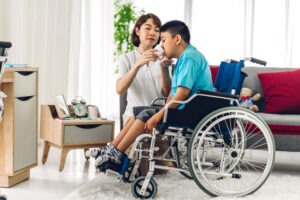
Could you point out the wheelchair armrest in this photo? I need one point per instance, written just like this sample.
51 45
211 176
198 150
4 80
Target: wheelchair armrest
204 93
218 94
172 102
205 96
164 124
159 101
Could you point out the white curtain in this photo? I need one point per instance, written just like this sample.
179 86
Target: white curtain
70 41
218 28
266 29
91 70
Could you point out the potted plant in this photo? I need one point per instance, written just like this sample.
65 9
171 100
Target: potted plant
124 18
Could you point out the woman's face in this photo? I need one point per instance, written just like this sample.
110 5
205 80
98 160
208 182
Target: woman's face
148 33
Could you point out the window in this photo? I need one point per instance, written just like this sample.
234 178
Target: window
166 10
294 33
269 32
217 29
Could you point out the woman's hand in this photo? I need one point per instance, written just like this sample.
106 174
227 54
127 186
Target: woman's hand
147 56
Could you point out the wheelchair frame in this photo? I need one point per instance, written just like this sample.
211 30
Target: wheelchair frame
219 151
144 187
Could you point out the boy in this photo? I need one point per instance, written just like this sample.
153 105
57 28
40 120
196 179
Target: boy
191 73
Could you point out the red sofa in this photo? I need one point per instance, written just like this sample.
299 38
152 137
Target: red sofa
280 102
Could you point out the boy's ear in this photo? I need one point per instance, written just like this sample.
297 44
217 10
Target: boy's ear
178 39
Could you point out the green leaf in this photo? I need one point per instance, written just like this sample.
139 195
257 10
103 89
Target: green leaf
125 15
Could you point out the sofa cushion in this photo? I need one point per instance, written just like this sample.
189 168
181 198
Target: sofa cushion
214 71
281 119
252 81
281 91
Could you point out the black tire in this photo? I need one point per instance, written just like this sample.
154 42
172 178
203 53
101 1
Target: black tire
3 197
151 189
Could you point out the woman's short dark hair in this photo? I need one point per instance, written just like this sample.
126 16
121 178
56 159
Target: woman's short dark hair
141 20
177 27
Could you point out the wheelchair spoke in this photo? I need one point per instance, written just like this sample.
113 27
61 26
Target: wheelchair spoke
250 164
225 153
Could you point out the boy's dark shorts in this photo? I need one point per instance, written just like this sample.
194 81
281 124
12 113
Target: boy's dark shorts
144 113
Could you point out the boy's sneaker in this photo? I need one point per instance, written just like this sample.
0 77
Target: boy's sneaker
114 157
94 153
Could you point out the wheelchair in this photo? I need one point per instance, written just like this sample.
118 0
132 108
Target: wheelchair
3 58
227 150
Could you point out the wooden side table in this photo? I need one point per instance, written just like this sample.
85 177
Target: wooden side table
72 134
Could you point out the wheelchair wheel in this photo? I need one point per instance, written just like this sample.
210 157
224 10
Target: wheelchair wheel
128 173
231 152
2 197
136 187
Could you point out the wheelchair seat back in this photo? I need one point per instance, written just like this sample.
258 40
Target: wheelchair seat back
230 77
228 83
201 104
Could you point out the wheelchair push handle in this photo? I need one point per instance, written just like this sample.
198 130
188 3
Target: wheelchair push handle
257 61
5 44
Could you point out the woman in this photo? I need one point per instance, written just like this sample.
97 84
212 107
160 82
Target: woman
141 74
191 73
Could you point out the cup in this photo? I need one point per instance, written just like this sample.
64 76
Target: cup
93 111
160 51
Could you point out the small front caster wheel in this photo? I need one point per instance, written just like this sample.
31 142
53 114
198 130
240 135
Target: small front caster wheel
128 173
2 197
136 187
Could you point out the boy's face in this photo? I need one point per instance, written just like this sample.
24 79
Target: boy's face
168 43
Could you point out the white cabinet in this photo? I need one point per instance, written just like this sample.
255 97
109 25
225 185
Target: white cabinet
25 83
24 138
18 129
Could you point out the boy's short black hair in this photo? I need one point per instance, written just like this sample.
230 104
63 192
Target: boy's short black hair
177 27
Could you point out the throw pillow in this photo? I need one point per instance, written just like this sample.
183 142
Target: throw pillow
281 91
214 71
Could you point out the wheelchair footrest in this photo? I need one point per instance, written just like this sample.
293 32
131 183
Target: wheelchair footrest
110 166
118 168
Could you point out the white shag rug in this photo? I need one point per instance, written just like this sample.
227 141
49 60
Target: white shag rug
176 187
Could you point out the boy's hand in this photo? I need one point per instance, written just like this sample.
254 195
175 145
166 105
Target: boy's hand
166 62
152 123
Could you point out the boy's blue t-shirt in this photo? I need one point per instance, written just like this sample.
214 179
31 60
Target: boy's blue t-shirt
192 71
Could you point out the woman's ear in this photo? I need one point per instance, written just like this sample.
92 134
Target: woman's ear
137 31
